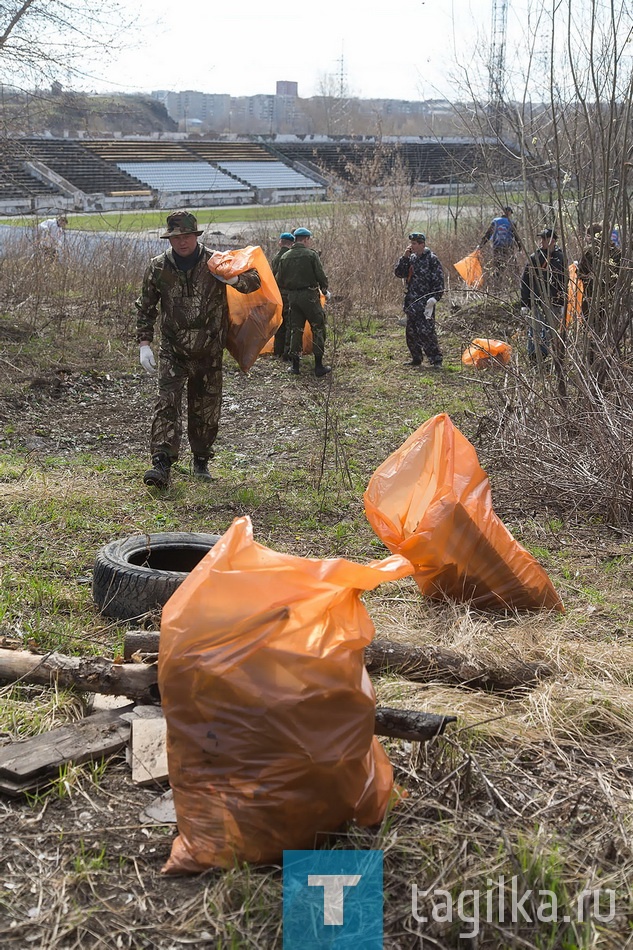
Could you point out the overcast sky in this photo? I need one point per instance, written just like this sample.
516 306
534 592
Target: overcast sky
387 50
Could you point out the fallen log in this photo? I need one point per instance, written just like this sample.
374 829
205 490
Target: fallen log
409 724
138 681
421 664
93 674
427 663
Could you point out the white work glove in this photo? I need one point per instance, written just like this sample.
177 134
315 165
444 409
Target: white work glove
147 358
327 294
428 310
226 280
525 311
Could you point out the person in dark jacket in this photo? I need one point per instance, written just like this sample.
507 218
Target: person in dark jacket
544 294
598 269
504 237
281 346
424 277
194 324
300 274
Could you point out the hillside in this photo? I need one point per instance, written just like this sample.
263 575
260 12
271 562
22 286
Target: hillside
69 113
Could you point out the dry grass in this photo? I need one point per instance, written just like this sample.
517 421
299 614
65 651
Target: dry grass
536 783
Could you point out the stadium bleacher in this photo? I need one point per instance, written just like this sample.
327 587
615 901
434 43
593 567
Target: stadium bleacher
432 162
17 184
77 165
182 176
269 174
219 152
141 172
131 150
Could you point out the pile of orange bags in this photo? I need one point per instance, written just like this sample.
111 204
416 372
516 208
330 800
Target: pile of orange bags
430 502
254 317
484 352
269 708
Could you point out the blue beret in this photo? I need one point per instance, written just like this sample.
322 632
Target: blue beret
302 232
287 236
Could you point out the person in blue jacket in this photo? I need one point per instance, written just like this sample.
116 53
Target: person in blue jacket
503 235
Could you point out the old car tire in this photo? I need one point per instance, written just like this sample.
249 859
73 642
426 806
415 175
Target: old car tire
133 576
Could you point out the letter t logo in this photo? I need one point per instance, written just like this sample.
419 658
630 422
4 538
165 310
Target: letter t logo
333 885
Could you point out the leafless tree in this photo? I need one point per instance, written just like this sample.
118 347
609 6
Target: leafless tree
44 40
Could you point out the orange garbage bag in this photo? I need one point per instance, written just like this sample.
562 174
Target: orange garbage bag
253 318
306 343
430 501
470 269
484 352
269 708
575 293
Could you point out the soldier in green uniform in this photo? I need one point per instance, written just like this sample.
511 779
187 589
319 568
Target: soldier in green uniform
194 324
282 336
301 275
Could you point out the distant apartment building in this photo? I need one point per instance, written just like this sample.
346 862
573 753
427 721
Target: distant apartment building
190 108
285 113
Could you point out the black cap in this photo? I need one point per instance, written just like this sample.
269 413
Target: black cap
508 210
548 233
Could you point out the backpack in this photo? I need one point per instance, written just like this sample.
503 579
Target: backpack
502 234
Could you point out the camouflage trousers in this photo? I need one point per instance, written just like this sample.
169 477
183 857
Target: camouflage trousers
422 338
203 379
282 336
306 305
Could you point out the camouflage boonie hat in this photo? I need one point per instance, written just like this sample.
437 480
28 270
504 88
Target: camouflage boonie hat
181 222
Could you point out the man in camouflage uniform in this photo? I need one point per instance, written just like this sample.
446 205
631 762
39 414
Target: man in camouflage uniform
423 273
282 336
300 274
194 324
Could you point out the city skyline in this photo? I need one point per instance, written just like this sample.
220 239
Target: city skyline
367 53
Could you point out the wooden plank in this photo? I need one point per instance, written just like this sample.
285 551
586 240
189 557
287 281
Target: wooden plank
78 742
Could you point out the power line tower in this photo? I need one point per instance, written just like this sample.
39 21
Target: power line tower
496 87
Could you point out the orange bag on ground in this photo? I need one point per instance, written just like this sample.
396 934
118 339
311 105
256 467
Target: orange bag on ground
470 269
270 710
430 501
255 317
483 352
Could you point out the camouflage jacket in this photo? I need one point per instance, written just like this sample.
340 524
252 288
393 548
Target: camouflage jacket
274 264
193 304
544 280
300 267
425 278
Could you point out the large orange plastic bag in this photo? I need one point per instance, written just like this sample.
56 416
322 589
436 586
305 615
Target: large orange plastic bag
430 501
255 317
470 269
575 293
269 708
306 343
484 352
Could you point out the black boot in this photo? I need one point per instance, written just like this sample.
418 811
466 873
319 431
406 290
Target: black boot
200 469
294 366
319 368
158 474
